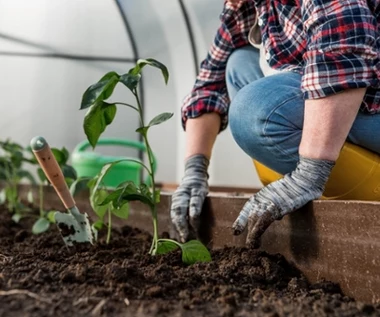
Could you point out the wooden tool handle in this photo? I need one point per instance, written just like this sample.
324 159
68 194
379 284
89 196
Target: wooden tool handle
49 165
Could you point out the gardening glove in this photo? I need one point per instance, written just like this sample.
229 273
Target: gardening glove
187 200
281 197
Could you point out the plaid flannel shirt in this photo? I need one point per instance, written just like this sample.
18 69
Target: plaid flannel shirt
333 44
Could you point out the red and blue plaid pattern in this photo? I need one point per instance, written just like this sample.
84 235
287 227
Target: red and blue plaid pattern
334 44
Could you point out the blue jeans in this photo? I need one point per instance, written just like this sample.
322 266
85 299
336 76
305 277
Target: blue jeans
266 113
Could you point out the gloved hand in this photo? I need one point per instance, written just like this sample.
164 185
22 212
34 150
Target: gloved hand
294 190
187 200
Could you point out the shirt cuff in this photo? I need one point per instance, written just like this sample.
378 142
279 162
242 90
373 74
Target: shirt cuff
200 106
328 73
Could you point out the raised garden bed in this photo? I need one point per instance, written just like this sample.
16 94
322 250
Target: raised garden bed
39 276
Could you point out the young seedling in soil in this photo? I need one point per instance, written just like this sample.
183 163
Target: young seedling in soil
12 172
99 116
98 200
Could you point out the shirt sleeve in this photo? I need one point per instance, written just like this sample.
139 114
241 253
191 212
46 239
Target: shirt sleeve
342 49
209 93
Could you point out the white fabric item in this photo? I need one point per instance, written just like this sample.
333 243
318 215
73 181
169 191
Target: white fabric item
254 38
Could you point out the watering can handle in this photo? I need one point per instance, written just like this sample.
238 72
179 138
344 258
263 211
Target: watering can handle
113 141
53 172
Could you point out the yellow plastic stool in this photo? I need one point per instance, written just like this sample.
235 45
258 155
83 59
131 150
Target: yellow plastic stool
355 176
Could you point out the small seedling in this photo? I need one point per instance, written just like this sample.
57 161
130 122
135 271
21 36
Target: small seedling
12 172
100 114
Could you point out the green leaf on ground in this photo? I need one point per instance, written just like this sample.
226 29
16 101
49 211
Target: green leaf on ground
51 216
165 247
41 225
194 251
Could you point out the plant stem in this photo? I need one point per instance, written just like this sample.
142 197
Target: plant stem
170 240
151 174
41 194
127 105
109 226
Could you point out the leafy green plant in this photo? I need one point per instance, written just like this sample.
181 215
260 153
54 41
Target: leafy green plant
103 207
12 172
100 114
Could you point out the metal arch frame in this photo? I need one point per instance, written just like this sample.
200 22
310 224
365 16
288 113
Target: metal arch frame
191 35
106 58
136 52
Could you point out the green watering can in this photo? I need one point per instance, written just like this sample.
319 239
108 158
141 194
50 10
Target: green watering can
90 163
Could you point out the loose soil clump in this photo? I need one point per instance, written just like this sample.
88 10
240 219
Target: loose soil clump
40 276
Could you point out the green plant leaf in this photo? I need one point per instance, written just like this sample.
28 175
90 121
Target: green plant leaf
160 118
51 216
130 80
141 63
69 181
69 172
142 130
122 211
96 120
96 182
100 91
79 185
113 197
194 251
165 246
59 156
128 191
16 218
98 225
137 197
41 175
26 174
66 154
3 175
3 196
96 200
41 225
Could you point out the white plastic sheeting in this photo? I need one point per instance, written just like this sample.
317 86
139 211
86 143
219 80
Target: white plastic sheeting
41 94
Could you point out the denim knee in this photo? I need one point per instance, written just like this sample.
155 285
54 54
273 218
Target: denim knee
267 125
243 67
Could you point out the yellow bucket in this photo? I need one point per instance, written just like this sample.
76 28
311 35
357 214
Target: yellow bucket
355 176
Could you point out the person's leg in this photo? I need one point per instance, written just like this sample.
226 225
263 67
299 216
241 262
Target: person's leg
364 131
266 120
243 68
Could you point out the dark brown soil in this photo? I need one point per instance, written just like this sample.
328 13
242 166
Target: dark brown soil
120 279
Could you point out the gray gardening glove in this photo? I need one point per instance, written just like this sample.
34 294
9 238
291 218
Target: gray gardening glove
294 190
187 200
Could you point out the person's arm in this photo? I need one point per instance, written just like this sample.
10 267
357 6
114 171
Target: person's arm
339 66
209 94
204 115
327 123
201 133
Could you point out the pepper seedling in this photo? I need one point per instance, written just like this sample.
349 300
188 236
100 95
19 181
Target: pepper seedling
100 114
